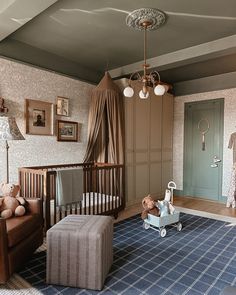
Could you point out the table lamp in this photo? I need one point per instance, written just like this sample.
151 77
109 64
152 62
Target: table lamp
9 131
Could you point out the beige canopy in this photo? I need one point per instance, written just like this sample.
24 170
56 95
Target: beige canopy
106 124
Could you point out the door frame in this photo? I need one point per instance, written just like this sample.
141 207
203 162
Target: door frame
221 131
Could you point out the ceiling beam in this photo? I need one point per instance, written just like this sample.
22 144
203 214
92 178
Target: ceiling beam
25 53
16 13
206 84
202 52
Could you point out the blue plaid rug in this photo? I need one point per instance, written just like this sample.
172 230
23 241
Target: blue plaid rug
201 259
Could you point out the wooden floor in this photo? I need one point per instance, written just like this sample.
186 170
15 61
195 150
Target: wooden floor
204 205
186 202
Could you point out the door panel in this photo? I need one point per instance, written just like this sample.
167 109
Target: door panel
200 179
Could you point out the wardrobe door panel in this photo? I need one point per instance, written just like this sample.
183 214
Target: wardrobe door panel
129 150
167 121
130 185
155 155
141 181
141 124
155 179
155 145
141 157
167 142
129 124
155 122
166 174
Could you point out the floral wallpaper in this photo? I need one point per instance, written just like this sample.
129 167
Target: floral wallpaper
18 82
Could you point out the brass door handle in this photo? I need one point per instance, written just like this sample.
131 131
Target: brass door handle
216 159
214 165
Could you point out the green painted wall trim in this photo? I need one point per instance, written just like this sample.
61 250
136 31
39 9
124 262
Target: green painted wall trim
212 83
36 57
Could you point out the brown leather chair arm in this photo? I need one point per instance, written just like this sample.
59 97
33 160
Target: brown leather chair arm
4 267
34 206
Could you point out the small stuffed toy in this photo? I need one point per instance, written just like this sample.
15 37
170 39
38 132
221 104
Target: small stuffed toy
168 195
150 207
168 199
10 204
164 208
171 208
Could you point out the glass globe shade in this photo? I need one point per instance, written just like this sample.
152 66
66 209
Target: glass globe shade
159 89
128 91
142 96
166 87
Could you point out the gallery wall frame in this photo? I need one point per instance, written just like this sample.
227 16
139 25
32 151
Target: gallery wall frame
39 117
62 106
67 131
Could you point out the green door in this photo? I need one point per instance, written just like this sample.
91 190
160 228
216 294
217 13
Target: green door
203 145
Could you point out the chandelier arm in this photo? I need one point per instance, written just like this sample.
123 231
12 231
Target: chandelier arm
153 79
133 74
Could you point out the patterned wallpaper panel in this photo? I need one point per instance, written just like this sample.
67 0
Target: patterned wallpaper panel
229 96
18 82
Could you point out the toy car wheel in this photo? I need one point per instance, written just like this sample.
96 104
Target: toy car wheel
162 232
179 226
146 225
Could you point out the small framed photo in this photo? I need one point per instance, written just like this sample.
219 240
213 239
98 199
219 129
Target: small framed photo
67 131
62 106
39 117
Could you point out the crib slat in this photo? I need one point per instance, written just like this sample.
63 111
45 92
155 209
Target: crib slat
109 188
97 190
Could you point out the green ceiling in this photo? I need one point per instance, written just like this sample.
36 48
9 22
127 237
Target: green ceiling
83 38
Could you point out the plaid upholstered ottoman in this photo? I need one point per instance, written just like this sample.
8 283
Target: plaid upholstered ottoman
79 251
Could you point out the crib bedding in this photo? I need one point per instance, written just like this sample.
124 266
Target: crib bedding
92 203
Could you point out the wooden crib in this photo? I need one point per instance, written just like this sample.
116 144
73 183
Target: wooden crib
103 187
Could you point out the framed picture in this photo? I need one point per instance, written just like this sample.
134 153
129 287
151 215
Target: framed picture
67 131
62 106
39 117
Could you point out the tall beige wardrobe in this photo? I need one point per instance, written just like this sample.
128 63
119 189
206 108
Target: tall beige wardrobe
148 144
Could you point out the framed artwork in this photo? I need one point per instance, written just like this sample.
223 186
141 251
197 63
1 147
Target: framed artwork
62 106
67 131
39 116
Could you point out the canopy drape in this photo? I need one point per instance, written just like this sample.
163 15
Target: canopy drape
106 124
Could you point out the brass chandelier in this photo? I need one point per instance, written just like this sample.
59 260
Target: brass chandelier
145 19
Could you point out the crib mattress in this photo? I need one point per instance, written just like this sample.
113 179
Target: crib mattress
92 203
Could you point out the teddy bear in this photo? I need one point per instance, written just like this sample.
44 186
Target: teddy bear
10 204
149 206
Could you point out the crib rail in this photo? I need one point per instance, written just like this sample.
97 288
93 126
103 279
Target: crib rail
103 187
